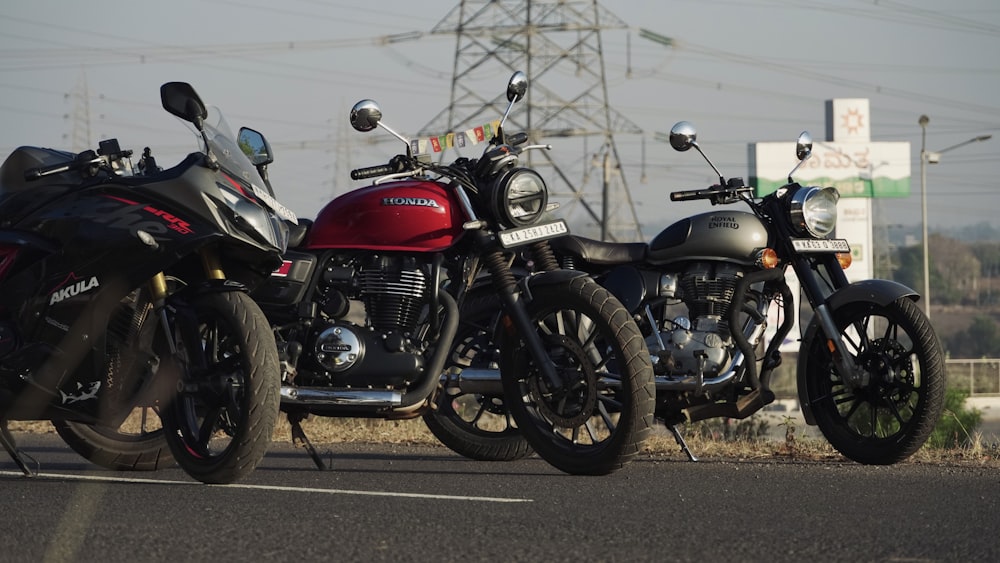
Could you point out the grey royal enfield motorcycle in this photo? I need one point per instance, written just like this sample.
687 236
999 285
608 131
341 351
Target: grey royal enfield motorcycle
870 368
124 309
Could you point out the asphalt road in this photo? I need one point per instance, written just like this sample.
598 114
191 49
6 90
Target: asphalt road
401 503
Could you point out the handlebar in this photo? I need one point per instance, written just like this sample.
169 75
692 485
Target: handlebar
108 153
718 194
371 172
36 173
82 160
691 194
517 139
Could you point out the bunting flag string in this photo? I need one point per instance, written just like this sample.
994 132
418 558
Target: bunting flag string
467 138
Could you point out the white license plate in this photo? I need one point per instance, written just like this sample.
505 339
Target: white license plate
515 237
820 245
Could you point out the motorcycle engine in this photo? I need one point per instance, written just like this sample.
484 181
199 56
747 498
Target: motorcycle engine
703 335
366 337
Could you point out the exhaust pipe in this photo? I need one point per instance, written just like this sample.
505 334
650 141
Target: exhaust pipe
340 397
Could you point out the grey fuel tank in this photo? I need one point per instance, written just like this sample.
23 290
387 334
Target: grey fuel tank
727 235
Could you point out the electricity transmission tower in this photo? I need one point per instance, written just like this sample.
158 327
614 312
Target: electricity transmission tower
79 116
558 44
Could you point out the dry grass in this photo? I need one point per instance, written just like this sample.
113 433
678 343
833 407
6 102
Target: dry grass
705 445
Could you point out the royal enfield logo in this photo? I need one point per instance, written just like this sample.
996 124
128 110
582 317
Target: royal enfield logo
410 201
723 222
63 291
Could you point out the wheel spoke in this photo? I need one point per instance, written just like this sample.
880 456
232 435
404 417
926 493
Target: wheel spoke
604 400
207 428
479 413
606 417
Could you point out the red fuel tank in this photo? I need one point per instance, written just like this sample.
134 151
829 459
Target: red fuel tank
414 215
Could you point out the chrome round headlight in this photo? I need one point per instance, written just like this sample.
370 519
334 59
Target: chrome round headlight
520 197
814 211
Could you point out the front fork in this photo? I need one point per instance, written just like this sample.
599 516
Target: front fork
854 378
158 290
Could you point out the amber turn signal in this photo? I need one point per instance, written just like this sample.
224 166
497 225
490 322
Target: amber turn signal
845 260
767 258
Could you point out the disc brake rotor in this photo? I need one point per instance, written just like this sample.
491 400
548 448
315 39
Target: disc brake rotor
892 373
574 401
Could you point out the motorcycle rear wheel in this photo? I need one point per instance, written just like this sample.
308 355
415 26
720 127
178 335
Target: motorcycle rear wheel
477 426
891 417
137 445
136 442
595 421
219 425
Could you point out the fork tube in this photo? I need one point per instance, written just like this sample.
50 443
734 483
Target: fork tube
158 293
210 261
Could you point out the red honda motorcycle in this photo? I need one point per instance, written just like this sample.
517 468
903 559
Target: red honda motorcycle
365 309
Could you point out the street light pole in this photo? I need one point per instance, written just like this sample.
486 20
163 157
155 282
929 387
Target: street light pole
923 212
926 158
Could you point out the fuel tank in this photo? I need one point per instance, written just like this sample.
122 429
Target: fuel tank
717 235
408 215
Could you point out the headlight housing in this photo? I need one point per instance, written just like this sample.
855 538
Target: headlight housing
814 211
257 221
519 197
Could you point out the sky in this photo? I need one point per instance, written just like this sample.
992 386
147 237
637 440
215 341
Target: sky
743 71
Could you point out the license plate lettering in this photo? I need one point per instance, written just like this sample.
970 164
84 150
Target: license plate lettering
820 245
515 237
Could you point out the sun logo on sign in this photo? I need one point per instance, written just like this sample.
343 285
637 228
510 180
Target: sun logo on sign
853 121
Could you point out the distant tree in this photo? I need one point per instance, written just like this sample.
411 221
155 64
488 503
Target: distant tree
980 339
954 271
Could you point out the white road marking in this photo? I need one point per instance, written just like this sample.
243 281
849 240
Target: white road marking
267 487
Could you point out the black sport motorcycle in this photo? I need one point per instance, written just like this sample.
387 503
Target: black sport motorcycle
124 307
870 368
365 308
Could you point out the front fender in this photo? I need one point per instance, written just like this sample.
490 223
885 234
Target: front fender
191 292
552 277
879 292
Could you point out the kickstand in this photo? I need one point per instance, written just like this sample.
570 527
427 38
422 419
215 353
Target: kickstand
299 438
19 457
681 442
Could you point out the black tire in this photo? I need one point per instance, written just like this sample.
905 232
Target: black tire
891 417
219 425
599 417
137 445
477 426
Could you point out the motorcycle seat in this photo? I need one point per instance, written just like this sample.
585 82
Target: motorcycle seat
600 252
18 196
297 233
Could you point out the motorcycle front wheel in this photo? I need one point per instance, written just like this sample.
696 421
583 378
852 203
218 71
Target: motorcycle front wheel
887 419
472 424
219 424
595 418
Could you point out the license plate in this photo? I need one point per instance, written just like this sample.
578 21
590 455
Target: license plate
820 245
515 237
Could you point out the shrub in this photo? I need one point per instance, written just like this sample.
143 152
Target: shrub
958 423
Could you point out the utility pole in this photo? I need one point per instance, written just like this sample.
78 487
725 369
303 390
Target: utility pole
557 43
